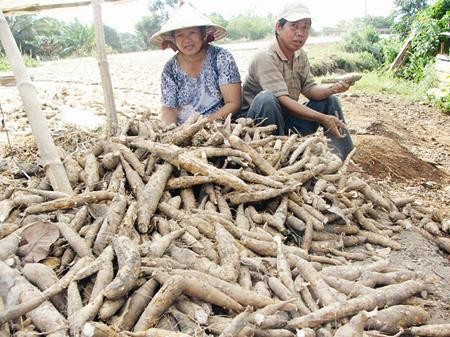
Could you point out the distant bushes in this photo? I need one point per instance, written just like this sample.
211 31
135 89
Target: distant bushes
343 62
250 27
4 63
425 29
363 40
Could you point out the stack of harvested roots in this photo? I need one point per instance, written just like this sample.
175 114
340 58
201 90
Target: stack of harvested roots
209 229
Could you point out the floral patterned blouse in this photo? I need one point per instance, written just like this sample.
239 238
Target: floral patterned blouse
202 93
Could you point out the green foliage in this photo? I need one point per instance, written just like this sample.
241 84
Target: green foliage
27 31
48 44
363 39
161 8
218 19
386 83
440 98
112 38
377 22
439 10
130 43
405 14
427 27
330 60
76 39
389 48
250 27
5 66
356 61
4 63
146 27
149 25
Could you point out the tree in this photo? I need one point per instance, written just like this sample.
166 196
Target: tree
146 27
112 38
379 22
149 25
363 39
218 19
130 43
427 26
250 27
161 8
76 39
47 43
405 14
26 30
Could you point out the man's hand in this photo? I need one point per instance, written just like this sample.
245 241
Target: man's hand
340 86
333 125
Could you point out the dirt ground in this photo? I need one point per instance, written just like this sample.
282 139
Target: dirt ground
402 147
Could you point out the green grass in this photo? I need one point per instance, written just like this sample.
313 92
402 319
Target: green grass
5 66
385 83
328 59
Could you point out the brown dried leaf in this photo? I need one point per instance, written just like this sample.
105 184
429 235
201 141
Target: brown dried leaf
39 237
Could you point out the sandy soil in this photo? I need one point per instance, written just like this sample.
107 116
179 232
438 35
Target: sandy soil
403 147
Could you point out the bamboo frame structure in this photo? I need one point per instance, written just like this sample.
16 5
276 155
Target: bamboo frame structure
17 7
111 114
27 7
53 166
47 150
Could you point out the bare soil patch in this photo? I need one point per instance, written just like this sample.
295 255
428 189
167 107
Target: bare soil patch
383 158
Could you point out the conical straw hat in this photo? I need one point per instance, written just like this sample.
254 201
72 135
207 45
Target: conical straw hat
186 16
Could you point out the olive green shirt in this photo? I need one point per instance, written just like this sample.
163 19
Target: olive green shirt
270 70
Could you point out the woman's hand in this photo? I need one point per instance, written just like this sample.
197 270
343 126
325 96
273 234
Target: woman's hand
169 115
232 98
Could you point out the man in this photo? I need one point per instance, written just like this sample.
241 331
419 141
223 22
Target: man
278 75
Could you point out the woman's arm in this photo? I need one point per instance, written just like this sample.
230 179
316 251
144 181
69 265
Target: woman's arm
169 115
232 97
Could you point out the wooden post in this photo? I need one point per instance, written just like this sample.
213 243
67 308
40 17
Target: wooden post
53 166
111 114
401 56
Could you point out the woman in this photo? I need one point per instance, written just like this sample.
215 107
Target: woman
199 77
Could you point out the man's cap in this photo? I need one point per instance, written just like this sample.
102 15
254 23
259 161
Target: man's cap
294 11
184 17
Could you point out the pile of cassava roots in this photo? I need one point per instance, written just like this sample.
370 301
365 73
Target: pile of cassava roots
210 229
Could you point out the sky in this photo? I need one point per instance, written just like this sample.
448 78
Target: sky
123 15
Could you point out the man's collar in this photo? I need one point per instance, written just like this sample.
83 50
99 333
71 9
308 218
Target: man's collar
276 47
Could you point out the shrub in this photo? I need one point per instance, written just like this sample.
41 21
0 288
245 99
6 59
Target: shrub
356 61
389 49
425 29
365 39
336 62
5 65
249 27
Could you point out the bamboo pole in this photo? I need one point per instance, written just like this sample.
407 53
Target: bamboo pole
53 166
111 115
